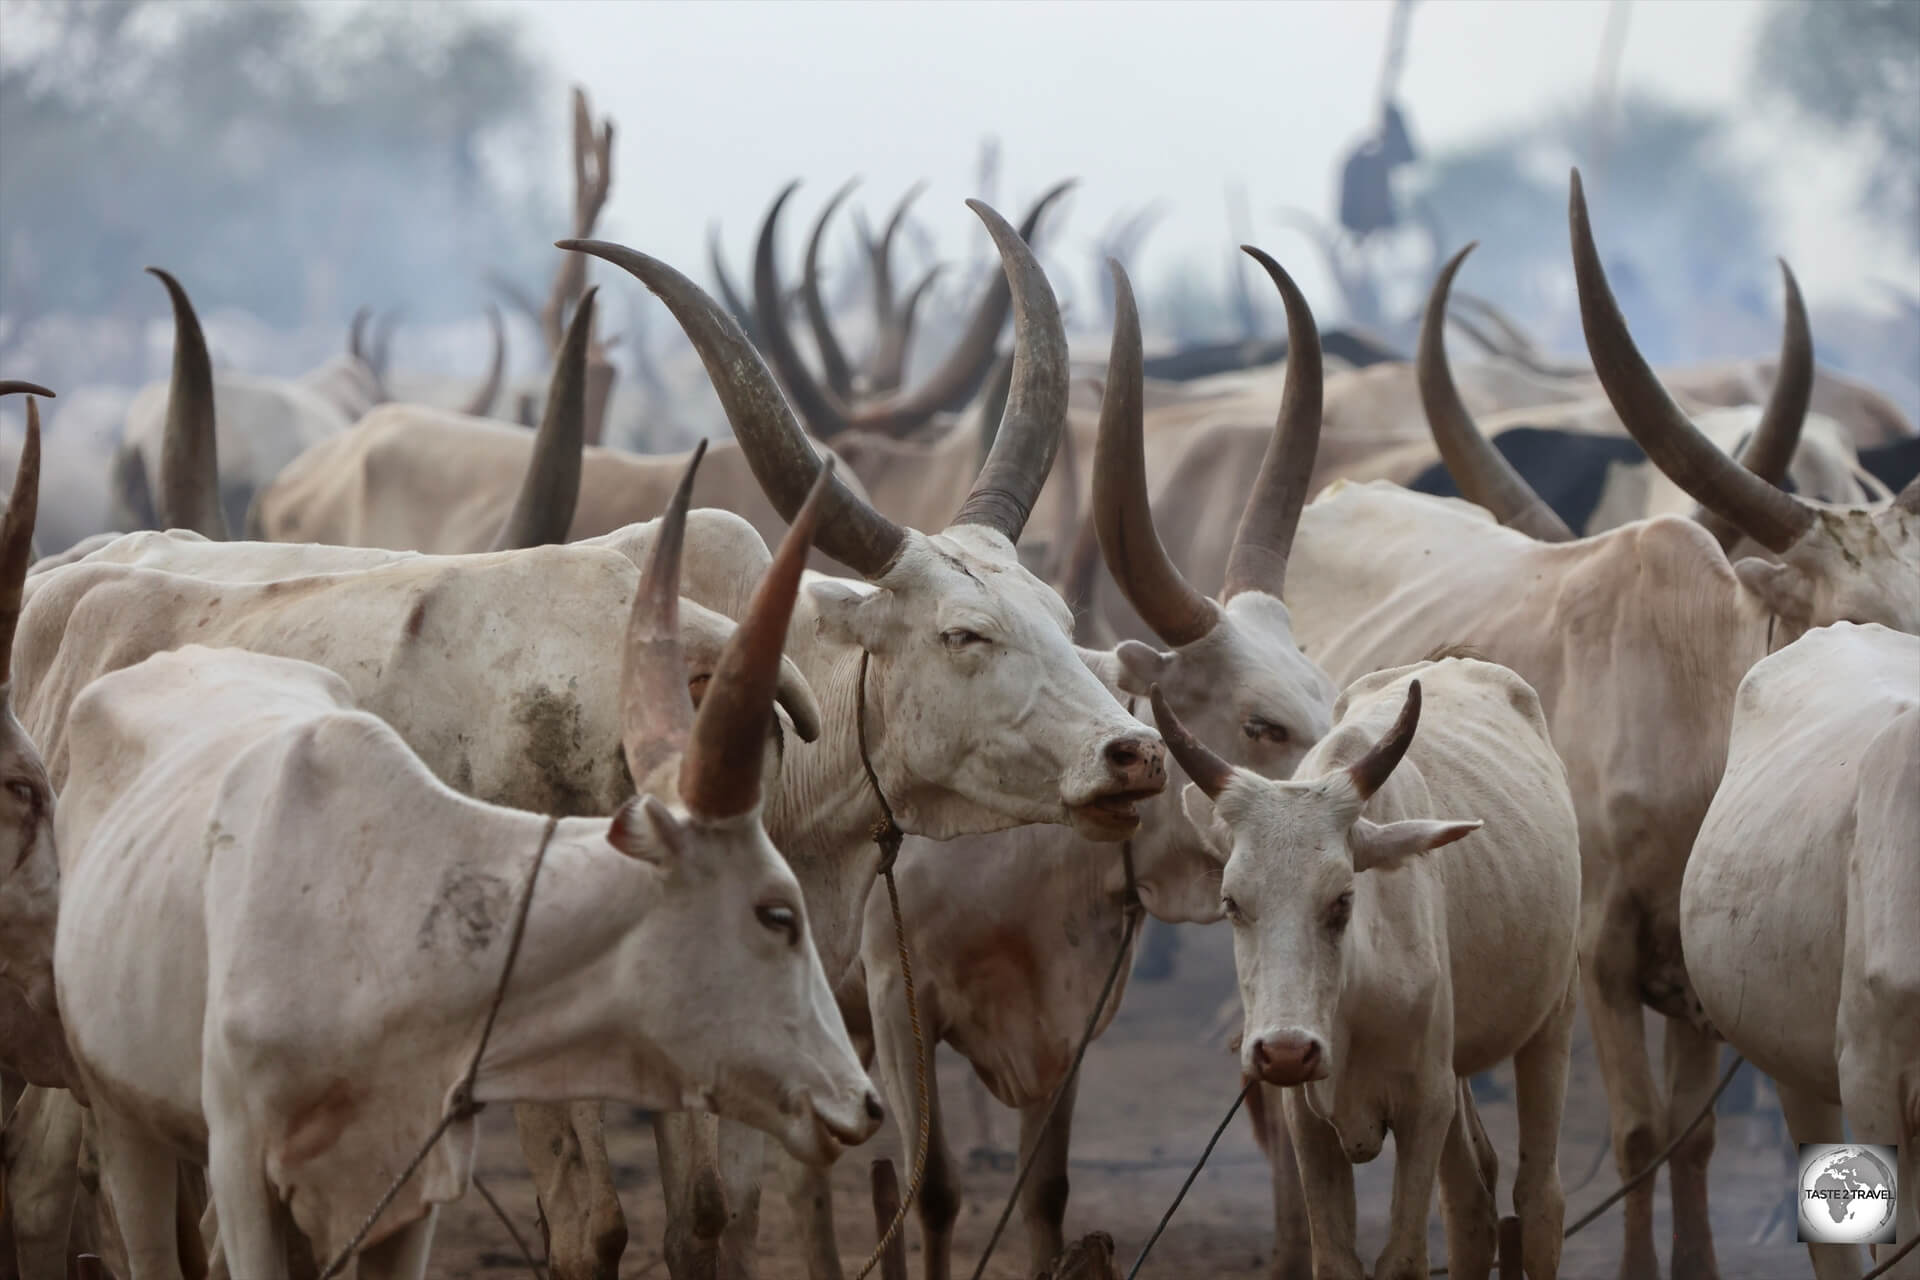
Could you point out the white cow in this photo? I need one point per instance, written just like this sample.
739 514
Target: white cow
1374 980
1799 904
320 922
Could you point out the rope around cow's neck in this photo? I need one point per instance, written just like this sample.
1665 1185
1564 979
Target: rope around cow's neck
887 836
461 1106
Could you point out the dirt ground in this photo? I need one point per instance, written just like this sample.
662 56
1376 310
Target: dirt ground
1155 1086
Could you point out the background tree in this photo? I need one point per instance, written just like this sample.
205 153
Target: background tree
295 161
1854 66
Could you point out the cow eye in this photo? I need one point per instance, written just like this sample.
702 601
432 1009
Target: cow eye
778 918
958 638
23 792
1340 912
1264 730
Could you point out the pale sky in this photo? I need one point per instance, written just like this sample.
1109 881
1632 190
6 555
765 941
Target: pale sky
719 104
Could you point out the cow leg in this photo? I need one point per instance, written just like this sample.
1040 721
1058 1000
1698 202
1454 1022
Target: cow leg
939 1201
1879 1066
1292 1249
1419 1137
1693 1061
1466 1196
1540 1096
1609 974
140 1176
42 1154
402 1255
742 1153
809 1193
688 1147
1811 1118
566 1152
1326 1171
1870 1088
1043 1201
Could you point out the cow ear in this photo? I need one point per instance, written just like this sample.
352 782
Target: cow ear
1784 590
646 829
1207 823
847 614
1384 845
1141 666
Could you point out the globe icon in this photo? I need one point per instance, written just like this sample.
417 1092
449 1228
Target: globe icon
1846 1196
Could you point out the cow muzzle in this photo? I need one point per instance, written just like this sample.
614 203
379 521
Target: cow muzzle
823 1133
1288 1058
1133 769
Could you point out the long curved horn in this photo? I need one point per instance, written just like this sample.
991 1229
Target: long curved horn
381 349
1776 437
958 377
189 496
824 416
1371 771
1483 473
482 403
890 356
884 367
720 774
1258 560
951 384
1029 435
543 510
1774 519
723 279
782 458
16 531
656 711
1209 772
1165 601
17 386
833 357
357 335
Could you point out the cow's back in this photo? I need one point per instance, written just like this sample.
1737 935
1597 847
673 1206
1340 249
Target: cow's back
416 640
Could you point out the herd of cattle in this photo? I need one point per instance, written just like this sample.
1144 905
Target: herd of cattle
1446 765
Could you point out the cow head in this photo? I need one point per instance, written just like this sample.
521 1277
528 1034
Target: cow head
1295 888
980 714
1232 668
29 871
1836 563
774 1052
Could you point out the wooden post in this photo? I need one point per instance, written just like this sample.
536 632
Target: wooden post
1510 1248
886 1204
